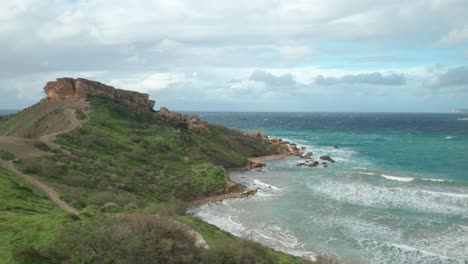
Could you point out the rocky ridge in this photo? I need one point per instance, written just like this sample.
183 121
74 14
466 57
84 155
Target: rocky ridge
80 88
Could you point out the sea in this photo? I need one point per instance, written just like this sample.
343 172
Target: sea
397 193
7 112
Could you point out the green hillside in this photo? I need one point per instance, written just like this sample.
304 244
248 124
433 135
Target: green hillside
28 220
131 176
132 159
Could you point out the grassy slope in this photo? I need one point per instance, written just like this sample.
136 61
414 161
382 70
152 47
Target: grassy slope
27 217
129 159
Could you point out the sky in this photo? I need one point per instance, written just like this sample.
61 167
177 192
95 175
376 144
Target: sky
243 55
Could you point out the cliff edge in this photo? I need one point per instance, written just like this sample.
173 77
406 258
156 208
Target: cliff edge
81 88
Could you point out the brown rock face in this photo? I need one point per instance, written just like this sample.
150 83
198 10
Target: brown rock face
82 88
192 122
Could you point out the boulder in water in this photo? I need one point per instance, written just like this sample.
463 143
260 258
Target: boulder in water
327 158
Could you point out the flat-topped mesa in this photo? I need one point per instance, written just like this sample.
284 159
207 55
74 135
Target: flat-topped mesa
81 88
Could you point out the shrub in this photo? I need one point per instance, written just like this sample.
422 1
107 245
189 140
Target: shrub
42 146
31 166
132 239
170 208
80 115
28 254
5 155
135 138
227 251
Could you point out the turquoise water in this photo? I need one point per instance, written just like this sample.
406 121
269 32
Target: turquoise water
398 192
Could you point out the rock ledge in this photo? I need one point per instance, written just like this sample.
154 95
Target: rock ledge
81 88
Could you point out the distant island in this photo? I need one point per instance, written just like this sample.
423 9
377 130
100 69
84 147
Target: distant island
460 111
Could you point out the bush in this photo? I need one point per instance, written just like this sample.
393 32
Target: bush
32 166
28 254
5 155
45 168
227 251
131 239
42 146
135 138
170 208
80 115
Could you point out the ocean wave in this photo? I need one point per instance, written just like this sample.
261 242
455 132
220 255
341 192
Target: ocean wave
463 119
454 195
448 137
435 180
228 218
266 185
369 195
385 252
367 173
338 154
396 178
359 168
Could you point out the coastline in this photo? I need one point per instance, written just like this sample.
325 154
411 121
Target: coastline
236 190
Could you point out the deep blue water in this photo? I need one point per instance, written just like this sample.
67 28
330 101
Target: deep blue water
398 192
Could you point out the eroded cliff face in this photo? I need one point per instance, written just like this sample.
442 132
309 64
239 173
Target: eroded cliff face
81 88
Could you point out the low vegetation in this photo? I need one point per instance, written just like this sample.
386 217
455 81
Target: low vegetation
28 220
121 169
5 155
132 159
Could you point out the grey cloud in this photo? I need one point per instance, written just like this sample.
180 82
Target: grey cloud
375 78
452 78
272 80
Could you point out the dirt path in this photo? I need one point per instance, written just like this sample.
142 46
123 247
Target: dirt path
51 193
22 148
74 124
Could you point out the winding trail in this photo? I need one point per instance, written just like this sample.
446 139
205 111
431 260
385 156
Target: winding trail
51 193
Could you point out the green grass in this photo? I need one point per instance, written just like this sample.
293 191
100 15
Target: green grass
27 217
136 161
140 159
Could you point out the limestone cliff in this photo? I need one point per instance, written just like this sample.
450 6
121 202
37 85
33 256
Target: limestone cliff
80 88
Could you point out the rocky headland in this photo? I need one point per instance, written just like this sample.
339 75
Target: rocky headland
81 88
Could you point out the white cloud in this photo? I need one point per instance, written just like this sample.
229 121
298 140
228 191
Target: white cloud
456 37
295 52
156 45
455 79
375 78
151 81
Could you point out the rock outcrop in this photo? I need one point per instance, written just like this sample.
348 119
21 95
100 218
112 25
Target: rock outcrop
192 122
80 88
327 158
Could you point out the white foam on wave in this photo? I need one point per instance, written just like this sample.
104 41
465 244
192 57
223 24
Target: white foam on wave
359 168
369 195
435 180
463 119
396 178
228 218
448 137
266 185
454 195
367 173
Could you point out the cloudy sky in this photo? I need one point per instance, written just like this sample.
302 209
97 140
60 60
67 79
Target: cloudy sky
252 55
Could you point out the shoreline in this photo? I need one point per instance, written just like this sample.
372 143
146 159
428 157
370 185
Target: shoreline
236 190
